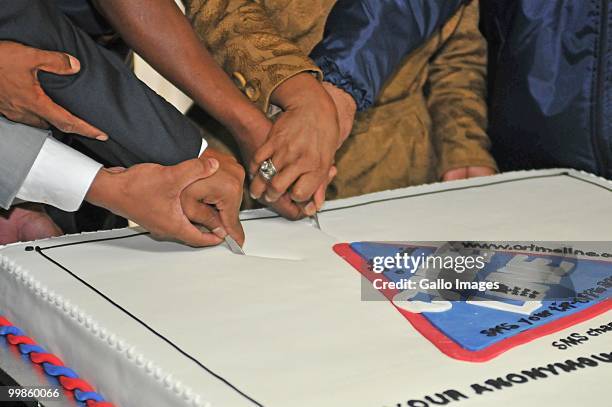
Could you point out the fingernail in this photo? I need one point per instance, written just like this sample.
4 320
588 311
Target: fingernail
116 170
220 232
268 198
74 63
102 137
310 209
253 196
214 164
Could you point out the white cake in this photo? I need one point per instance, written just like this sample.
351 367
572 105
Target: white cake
157 324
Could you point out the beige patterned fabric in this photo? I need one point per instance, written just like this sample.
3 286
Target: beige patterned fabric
245 42
430 117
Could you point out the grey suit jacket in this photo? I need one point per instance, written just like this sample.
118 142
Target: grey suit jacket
19 147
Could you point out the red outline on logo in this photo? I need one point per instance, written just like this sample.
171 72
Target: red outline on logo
451 348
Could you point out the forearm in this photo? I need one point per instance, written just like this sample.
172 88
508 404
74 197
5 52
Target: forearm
244 40
161 34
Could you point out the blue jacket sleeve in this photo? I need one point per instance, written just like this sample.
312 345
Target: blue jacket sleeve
366 40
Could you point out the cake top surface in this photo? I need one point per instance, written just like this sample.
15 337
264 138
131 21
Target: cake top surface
285 324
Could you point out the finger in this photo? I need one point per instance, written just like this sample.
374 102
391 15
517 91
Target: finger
235 230
229 213
57 62
306 185
66 122
479 171
262 154
281 182
333 171
207 216
258 183
319 195
286 174
455 174
193 170
257 187
287 208
307 208
226 198
192 236
281 158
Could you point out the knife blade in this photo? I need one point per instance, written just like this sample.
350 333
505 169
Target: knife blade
234 246
230 241
315 220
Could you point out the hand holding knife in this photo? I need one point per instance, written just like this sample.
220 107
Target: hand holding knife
232 244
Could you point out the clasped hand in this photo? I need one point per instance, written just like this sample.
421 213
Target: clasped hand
302 145
171 201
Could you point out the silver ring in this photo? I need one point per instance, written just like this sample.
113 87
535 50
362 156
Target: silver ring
267 170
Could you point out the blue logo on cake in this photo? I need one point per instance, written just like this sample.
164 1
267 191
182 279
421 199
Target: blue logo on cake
475 300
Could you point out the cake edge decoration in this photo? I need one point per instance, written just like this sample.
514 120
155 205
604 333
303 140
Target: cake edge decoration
52 365
166 380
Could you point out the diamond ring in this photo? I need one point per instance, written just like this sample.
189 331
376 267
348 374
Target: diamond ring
267 170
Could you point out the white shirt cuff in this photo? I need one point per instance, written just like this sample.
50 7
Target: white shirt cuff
60 176
203 148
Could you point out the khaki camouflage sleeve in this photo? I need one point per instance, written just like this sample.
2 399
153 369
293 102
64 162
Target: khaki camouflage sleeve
245 43
457 92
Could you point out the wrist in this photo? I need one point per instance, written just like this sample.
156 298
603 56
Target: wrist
346 108
253 137
341 97
105 190
297 90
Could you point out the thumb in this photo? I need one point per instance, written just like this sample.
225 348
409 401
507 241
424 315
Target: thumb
333 171
209 165
319 195
193 170
57 62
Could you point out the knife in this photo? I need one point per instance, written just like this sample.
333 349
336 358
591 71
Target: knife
314 219
230 241
233 245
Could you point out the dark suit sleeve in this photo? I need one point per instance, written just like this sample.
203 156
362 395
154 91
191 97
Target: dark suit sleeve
143 127
365 41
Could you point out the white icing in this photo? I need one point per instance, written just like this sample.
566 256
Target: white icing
277 329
